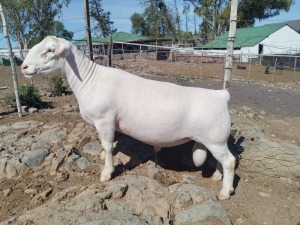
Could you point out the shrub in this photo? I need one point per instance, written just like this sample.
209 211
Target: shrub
29 95
55 85
183 81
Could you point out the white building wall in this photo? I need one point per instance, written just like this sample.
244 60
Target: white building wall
5 54
284 41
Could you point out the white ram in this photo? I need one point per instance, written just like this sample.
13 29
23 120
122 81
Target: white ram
157 113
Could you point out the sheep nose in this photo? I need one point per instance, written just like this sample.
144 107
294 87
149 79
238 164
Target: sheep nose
24 67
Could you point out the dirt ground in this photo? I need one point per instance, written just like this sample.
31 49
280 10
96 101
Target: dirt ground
258 199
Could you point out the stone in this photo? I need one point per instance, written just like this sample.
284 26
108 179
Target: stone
202 214
114 191
32 110
3 163
7 192
68 108
4 128
31 191
14 168
83 163
264 195
246 108
24 109
53 136
40 198
85 202
70 163
35 157
93 148
58 159
123 157
25 125
239 221
57 112
183 200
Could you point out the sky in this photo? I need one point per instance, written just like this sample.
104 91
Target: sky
121 10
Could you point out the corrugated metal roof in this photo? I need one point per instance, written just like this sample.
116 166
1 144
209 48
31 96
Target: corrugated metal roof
118 36
123 36
244 37
82 41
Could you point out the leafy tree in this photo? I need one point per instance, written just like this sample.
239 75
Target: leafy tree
215 14
57 29
138 24
249 10
158 19
102 18
27 19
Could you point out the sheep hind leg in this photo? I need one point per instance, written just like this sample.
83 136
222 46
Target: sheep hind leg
227 160
217 175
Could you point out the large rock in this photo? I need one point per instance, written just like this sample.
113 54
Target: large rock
210 213
25 124
93 148
15 168
35 157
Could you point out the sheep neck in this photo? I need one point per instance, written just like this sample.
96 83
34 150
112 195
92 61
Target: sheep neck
79 70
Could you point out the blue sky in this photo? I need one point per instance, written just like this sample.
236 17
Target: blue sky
73 16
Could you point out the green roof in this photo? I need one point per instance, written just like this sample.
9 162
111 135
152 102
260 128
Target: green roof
244 37
82 41
123 36
118 36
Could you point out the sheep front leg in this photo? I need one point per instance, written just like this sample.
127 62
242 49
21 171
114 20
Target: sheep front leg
107 139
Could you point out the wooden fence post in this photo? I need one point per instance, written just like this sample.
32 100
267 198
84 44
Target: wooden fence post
12 62
231 37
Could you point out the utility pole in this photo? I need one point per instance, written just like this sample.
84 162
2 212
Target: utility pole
230 42
88 29
12 62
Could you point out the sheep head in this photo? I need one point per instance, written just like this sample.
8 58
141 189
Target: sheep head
47 57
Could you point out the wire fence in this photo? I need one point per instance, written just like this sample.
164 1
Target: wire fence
264 105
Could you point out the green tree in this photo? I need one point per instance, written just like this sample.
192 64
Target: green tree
215 14
102 18
138 24
57 29
27 19
250 10
158 19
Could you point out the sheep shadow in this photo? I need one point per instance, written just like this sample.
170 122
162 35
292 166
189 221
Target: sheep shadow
177 158
40 106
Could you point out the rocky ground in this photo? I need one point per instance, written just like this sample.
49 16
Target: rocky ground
50 168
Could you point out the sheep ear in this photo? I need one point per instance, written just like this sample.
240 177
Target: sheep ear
64 48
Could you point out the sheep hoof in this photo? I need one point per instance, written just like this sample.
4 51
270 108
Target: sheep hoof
223 197
102 156
217 176
104 178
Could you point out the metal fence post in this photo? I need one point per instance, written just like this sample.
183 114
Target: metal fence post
274 70
249 68
294 73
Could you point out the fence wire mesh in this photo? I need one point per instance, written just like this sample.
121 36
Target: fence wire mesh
264 105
